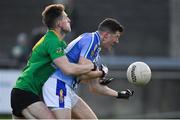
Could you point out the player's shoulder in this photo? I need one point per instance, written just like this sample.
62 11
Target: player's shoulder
86 35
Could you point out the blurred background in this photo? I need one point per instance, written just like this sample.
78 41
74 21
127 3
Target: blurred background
152 35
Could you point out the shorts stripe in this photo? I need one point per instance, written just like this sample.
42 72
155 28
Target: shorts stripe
61 92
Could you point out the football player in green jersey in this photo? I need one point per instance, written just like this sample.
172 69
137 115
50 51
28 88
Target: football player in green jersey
46 56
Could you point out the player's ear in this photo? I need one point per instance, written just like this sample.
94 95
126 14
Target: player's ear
59 23
105 34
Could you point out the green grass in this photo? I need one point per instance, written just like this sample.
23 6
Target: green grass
5 116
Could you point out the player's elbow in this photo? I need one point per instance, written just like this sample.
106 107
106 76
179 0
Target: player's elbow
93 88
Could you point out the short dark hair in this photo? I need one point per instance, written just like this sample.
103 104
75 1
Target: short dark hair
110 25
51 13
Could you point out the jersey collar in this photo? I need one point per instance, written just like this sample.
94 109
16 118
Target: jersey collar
98 36
56 34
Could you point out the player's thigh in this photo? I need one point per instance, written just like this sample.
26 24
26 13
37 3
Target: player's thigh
38 110
64 113
81 110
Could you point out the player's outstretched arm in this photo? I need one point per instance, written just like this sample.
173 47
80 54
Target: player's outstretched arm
90 75
96 87
71 68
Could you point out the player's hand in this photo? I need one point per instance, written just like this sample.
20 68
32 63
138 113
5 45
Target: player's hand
104 70
125 94
105 81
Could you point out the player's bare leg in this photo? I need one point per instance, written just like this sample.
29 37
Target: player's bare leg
64 113
38 110
28 114
82 111
15 117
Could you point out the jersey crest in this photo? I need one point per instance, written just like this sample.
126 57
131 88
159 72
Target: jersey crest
94 50
61 96
59 50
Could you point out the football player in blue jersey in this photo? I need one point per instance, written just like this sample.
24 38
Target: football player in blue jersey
59 90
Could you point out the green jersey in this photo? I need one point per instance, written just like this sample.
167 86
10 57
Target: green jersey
40 65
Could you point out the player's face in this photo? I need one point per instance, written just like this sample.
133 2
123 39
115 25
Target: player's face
111 39
65 23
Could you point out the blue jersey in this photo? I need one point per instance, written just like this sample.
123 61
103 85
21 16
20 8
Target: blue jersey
86 45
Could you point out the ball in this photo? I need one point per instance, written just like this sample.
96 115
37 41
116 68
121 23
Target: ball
139 73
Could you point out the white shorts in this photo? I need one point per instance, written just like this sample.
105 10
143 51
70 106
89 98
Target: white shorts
58 95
